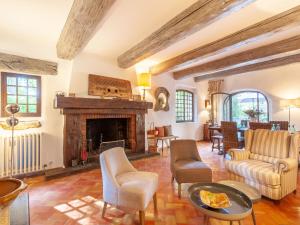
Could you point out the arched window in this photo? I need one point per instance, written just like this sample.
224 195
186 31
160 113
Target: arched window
242 101
184 106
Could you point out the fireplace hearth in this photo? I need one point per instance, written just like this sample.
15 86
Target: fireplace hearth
106 130
88 121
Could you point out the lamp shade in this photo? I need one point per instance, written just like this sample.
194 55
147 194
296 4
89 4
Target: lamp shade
289 103
144 80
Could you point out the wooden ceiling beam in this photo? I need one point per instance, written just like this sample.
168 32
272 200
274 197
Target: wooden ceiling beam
256 32
14 63
281 61
81 24
192 19
248 57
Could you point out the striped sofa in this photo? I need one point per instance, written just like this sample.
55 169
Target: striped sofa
269 162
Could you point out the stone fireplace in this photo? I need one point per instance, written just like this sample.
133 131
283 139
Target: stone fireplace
95 120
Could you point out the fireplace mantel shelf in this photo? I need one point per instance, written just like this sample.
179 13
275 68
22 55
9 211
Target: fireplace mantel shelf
95 103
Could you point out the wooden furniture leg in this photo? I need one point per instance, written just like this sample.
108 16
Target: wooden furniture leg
155 203
253 217
104 209
172 179
179 190
142 217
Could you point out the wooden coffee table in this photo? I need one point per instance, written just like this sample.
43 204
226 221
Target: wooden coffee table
248 190
241 204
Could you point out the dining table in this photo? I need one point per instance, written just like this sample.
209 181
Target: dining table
218 128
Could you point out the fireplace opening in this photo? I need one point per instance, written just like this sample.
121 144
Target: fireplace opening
106 129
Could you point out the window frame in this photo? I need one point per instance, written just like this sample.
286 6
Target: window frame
192 111
4 76
230 96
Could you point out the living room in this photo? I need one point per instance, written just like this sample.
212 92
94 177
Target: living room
157 80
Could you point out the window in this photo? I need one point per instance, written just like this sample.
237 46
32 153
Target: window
23 90
247 100
184 106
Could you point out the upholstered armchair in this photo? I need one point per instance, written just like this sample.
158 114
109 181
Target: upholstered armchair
186 164
124 186
269 162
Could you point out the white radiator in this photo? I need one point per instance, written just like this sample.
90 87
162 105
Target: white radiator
27 153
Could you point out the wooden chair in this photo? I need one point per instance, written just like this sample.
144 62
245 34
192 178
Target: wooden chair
217 143
284 125
257 125
230 136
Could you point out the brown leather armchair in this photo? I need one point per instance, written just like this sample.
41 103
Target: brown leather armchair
186 164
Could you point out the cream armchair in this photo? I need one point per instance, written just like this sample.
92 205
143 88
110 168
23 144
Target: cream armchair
124 186
269 162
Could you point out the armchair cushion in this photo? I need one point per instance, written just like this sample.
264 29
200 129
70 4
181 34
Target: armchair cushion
136 189
238 154
284 165
254 170
191 171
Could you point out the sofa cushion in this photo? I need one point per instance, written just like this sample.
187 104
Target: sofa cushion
192 171
136 189
254 170
274 144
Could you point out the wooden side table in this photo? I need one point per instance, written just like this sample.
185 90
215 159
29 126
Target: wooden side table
206 134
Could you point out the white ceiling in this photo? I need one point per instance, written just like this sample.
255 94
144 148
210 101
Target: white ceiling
34 26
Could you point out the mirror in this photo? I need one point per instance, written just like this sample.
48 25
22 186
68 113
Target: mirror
162 99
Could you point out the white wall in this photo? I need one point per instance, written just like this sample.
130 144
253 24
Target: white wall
161 118
277 83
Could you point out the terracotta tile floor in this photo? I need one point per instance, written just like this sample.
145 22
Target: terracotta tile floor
76 199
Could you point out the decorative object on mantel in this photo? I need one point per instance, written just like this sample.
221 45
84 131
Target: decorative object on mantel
162 99
253 114
22 125
108 87
144 82
137 98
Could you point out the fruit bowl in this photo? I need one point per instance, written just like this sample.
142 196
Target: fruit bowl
10 188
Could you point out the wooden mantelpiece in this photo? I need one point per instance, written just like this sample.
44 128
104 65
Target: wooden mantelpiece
96 103
78 110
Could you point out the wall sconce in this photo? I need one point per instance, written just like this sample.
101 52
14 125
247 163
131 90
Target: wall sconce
144 81
207 104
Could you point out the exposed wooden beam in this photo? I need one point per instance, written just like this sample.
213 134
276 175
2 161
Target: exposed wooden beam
81 24
192 19
256 55
258 31
14 63
281 61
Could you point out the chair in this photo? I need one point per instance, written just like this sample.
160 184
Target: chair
230 136
186 164
284 125
219 140
124 186
269 162
257 125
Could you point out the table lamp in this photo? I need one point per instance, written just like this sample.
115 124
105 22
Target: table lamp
144 81
289 104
